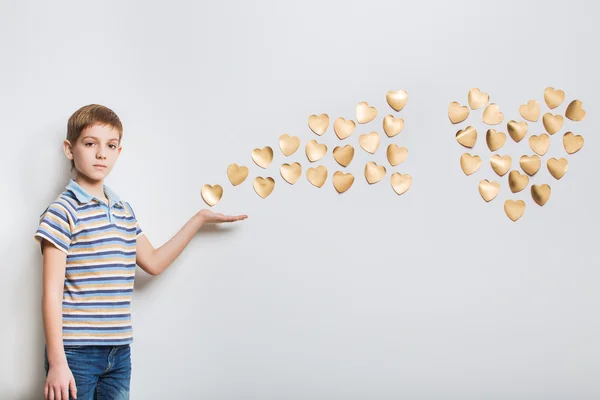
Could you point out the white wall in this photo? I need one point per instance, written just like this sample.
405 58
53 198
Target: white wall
368 295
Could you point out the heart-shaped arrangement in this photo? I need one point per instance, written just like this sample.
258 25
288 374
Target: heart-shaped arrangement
517 130
317 175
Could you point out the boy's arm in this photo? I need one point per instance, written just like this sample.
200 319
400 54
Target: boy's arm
154 261
54 265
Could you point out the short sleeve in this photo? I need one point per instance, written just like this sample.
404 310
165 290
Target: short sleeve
138 229
55 227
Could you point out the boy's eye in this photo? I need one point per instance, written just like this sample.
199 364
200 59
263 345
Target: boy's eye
89 143
112 146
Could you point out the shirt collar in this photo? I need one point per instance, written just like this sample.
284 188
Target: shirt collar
84 197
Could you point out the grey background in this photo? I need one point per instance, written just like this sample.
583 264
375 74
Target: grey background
367 295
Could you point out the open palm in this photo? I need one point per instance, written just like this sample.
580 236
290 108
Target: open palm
215 218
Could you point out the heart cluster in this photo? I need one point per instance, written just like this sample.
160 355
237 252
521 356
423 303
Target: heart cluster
315 152
517 130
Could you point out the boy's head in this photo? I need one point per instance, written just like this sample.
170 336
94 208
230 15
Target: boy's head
93 141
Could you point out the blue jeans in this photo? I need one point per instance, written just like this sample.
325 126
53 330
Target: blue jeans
101 372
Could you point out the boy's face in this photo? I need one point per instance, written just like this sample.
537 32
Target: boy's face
95 151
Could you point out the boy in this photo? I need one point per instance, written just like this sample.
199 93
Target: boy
91 242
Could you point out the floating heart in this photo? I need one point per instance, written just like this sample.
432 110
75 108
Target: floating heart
400 183
575 111
495 140
291 172
477 98
288 145
540 194
365 113
315 151
343 155
530 164
212 194
540 144
396 155
237 174
343 128
469 163
467 137
263 186
318 124
374 173
397 99
514 209
530 111
552 123
492 115
392 126
572 143
342 181
553 98
317 176
263 157
457 113
500 164
369 142
489 190
517 130
557 168
517 182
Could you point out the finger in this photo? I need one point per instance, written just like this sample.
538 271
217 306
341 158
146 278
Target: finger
51 393
65 392
46 392
73 388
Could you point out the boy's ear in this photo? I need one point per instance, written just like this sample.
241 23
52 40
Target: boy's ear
68 149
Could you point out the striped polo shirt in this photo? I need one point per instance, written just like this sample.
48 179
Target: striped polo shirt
99 241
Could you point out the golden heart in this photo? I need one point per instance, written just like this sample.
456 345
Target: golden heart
264 186
572 143
343 155
315 151
540 144
237 174
364 113
530 164
342 181
514 209
400 183
517 182
517 130
500 165
553 98
557 168
396 155
575 111
477 98
392 126
343 128
530 111
369 142
212 194
397 99
495 140
489 190
469 163
318 124
288 145
317 176
552 123
263 157
467 137
291 172
457 113
374 173
492 115
540 194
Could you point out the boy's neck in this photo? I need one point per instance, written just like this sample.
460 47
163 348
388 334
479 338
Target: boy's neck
93 187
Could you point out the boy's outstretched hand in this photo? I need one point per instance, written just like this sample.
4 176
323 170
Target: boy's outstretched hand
209 217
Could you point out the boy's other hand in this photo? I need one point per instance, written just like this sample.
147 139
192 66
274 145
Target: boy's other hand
209 217
59 383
